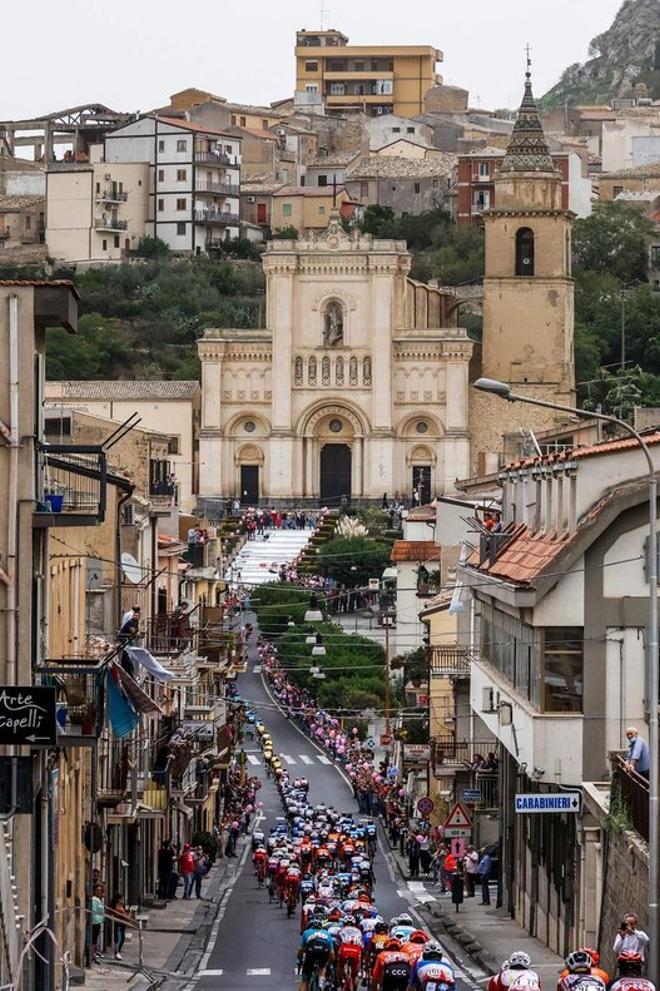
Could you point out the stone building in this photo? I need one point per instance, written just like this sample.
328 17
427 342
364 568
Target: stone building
357 385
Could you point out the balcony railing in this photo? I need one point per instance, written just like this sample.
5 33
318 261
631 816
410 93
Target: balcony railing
110 224
213 158
448 753
224 218
111 195
631 791
170 633
79 695
487 783
449 661
217 188
74 485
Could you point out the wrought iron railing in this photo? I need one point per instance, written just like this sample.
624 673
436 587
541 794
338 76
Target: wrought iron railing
217 188
449 661
169 633
110 224
74 478
447 750
80 694
216 217
631 791
212 158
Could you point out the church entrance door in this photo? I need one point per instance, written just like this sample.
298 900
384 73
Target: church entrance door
421 484
335 474
249 485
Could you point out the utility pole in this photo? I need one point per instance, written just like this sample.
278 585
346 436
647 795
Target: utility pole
388 686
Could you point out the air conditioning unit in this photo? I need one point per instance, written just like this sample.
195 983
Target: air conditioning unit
252 199
488 700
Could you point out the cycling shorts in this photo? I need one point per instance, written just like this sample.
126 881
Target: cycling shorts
316 955
351 955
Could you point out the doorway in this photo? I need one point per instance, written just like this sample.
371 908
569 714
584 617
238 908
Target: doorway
421 479
335 474
249 485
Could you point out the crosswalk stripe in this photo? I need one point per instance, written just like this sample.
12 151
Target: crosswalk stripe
258 972
253 759
306 759
289 759
256 669
211 973
324 759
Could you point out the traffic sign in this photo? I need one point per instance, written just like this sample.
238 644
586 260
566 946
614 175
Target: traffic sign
425 806
552 802
458 818
457 832
471 795
27 715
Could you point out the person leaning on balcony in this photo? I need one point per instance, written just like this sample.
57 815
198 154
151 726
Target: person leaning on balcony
637 758
629 938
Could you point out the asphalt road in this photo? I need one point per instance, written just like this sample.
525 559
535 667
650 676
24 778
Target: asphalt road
253 944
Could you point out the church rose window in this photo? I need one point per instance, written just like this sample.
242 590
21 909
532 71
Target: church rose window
422 427
525 251
298 371
311 372
339 371
249 426
353 372
335 426
325 371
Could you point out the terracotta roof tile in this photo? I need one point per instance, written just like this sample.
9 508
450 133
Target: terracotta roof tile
190 125
415 550
590 451
525 557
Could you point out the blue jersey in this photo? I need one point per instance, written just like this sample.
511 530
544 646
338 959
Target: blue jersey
320 937
431 975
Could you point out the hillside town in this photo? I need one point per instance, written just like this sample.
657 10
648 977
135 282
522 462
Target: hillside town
329 444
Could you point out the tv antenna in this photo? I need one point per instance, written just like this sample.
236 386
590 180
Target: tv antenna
323 13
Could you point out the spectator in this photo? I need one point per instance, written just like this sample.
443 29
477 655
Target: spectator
98 918
484 871
413 854
165 865
425 852
637 758
471 869
448 869
201 870
629 938
439 866
187 869
384 503
131 614
120 917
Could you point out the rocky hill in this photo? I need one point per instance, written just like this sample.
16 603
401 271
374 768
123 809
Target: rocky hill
624 62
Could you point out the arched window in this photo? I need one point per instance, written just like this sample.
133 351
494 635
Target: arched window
311 371
353 372
298 371
366 371
325 371
339 371
524 251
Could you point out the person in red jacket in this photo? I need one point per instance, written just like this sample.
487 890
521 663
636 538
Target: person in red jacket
187 869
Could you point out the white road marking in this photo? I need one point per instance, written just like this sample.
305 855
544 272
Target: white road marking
323 759
253 759
211 973
306 759
258 972
256 669
416 886
288 759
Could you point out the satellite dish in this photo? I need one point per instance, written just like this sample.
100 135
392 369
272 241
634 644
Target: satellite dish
132 570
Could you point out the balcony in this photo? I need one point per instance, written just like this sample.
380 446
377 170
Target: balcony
79 684
111 224
487 783
162 485
358 75
214 158
449 754
631 792
449 661
355 99
75 481
170 634
224 218
217 188
111 195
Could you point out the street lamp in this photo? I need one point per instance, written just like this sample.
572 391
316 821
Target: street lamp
504 391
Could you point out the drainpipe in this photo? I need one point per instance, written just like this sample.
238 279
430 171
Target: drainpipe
12 506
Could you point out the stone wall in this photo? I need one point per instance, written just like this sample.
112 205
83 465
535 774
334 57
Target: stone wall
625 889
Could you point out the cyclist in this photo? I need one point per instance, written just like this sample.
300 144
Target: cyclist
291 882
259 863
414 947
595 968
391 970
315 953
515 972
349 957
630 977
402 927
431 970
579 966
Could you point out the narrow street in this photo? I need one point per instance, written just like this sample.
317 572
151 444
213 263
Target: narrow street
253 944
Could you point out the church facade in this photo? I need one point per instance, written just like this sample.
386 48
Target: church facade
358 385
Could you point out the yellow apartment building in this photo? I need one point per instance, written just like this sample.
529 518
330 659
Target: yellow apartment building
305 207
375 79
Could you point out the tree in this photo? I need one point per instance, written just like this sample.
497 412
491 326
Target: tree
289 233
352 561
152 247
613 240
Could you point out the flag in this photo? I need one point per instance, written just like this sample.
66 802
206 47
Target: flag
122 715
136 695
139 655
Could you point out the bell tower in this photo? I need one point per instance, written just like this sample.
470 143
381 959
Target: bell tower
528 289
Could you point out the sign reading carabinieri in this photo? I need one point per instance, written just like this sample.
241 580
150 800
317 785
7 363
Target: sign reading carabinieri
550 802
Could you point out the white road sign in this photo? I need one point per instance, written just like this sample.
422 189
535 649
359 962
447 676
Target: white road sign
563 801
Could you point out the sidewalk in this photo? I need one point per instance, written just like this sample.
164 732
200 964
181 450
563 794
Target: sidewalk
171 935
487 934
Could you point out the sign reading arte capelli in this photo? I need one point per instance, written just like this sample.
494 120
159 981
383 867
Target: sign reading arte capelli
27 715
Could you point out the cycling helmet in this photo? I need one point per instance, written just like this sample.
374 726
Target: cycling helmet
579 962
506 964
629 963
419 936
392 944
318 912
380 927
404 920
432 950
594 954
519 959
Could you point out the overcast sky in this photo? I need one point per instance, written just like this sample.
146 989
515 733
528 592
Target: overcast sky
131 54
